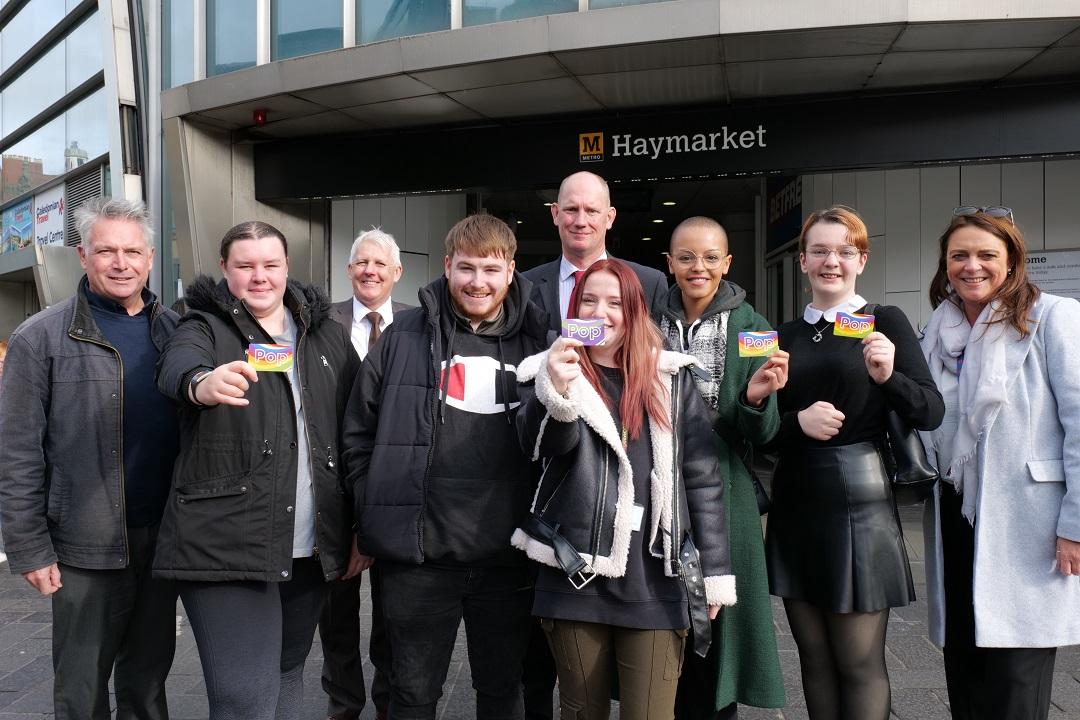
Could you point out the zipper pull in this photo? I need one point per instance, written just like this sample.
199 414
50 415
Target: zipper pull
324 363
267 450
329 457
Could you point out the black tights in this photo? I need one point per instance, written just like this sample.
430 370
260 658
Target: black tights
843 662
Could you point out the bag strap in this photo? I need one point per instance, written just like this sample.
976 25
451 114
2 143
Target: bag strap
736 442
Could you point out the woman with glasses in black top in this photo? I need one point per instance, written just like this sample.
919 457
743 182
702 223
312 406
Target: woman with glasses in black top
834 546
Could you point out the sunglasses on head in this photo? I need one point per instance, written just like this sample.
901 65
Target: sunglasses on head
996 211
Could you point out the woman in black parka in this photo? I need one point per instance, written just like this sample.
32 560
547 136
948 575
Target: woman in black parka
256 521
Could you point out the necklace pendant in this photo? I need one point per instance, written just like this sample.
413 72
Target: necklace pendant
817 337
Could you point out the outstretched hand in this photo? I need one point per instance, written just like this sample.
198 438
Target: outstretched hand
226 384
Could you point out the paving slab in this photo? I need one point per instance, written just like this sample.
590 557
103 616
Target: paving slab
915 665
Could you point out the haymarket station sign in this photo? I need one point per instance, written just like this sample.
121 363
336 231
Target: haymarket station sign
591 145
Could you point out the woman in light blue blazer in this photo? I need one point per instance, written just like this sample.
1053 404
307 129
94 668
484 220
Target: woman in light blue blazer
1003 530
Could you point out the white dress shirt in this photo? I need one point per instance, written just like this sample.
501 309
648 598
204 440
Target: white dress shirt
361 326
566 282
812 315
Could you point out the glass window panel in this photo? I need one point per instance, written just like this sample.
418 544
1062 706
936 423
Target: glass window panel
62 69
35 89
28 26
177 42
479 12
60 145
303 28
87 131
385 19
597 4
83 50
230 35
34 160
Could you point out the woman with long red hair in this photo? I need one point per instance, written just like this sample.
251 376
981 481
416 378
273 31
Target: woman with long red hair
628 522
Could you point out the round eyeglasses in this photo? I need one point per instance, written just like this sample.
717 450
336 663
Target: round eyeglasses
687 259
848 252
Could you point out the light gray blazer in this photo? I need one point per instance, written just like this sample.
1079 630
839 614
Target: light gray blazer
1029 467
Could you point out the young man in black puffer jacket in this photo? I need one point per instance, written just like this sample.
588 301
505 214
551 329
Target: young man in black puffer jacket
431 453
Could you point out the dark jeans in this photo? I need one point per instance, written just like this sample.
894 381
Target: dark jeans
984 683
253 639
423 607
696 697
538 675
119 622
343 665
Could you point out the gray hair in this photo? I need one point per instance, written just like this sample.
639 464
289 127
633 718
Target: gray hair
383 239
106 208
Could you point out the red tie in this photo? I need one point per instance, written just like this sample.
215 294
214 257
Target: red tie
577 279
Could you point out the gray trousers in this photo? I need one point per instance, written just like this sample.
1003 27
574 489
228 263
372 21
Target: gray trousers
253 639
114 622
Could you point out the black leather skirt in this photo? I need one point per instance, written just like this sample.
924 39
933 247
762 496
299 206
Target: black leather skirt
833 537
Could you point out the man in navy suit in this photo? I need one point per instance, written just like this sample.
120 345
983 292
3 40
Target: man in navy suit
583 214
374 268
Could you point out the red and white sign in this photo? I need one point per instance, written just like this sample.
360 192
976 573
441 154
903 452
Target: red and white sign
49 216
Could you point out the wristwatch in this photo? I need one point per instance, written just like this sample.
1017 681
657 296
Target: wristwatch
195 380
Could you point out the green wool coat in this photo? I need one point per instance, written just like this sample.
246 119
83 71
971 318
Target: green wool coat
743 657
744 638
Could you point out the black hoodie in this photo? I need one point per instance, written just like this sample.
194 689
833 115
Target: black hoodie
436 469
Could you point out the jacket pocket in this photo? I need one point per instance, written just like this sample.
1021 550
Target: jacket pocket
232 486
58 496
1047 470
212 524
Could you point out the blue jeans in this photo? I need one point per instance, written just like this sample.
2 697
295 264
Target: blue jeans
423 607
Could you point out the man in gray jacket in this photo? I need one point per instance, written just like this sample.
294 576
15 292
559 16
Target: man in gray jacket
85 468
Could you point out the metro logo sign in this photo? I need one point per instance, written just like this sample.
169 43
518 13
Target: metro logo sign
591 147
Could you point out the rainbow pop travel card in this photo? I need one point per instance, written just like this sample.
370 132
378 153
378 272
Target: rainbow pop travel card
589 332
758 344
853 325
269 357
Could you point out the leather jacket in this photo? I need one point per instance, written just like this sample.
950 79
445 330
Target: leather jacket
586 493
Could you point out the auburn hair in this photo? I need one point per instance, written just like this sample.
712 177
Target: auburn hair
857 233
637 357
1016 295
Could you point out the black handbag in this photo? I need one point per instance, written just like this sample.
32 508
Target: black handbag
912 476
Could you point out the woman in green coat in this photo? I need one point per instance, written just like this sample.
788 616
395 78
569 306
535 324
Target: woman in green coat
703 316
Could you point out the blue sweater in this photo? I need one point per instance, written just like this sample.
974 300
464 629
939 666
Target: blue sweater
151 434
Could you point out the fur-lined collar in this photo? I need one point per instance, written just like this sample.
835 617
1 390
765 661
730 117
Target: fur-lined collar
583 402
213 296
